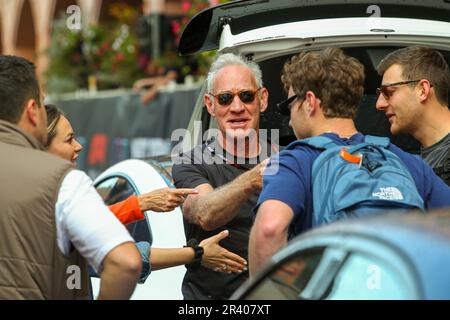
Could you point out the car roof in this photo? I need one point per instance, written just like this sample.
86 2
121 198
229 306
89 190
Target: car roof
423 239
204 31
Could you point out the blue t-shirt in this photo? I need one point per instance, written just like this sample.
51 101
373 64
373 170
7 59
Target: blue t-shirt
291 182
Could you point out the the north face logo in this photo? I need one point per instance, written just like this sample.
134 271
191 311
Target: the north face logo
389 193
358 188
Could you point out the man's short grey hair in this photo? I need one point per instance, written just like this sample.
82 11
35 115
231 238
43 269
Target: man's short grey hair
229 59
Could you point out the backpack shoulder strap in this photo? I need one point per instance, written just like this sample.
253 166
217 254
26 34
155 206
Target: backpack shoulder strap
379 141
319 142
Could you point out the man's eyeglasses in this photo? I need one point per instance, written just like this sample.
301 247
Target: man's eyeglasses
284 107
226 98
387 93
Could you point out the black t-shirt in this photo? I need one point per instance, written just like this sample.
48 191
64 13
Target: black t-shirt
438 157
210 164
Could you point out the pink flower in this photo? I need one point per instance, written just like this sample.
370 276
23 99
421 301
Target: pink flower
213 3
186 6
175 27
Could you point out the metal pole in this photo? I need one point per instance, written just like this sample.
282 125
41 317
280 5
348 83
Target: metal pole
156 9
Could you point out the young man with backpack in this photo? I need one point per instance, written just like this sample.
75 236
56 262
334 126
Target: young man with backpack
338 173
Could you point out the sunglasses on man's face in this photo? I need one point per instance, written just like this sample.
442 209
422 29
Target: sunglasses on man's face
227 97
384 89
284 107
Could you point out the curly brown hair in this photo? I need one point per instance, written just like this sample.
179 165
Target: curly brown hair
335 78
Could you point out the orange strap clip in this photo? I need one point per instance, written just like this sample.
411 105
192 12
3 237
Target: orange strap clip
349 157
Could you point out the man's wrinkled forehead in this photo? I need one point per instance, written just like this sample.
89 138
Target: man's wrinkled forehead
234 78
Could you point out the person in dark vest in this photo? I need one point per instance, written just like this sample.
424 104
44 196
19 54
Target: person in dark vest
53 223
324 88
414 97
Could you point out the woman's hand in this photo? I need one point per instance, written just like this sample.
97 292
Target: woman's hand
163 200
220 259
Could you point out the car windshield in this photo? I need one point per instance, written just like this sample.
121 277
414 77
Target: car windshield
333 274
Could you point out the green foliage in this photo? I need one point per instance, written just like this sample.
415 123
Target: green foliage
199 64
109 52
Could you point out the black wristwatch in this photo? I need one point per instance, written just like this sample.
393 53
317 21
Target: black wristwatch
197 260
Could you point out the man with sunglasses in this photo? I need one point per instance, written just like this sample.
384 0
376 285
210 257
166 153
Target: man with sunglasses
325 89
419 106
227 172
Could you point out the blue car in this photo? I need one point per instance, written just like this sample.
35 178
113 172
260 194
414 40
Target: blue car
393 256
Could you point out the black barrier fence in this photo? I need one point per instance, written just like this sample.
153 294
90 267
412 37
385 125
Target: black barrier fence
114 126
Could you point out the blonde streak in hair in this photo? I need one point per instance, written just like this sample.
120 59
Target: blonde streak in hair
51 129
